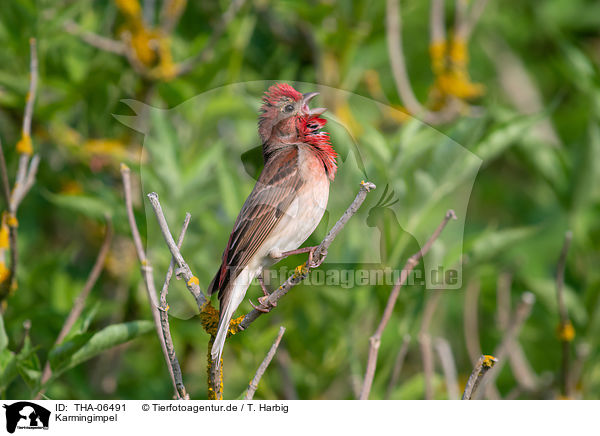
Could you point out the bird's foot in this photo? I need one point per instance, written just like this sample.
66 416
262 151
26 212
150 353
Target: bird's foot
315 263
277 254
264 306
264 302
262 285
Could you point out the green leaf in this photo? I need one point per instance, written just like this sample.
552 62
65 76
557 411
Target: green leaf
83 322
84 347
93 207
28 364
8 368
504 136
61 354
492 242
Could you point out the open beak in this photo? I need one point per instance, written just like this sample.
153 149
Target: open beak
306 98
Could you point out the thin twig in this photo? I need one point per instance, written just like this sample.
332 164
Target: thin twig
398 366
444 352
375 340
100 42
521 314
503 286
26 172
582 352
31 94
171 13
425 344
475 13
437 26
263 366
164 318
400 74
565 327
79 303
483 365
524 374
461 20
284 362
33 82
470 320
319 255
183 268
146 269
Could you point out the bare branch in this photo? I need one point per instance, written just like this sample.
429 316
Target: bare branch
146 270
519 364
400 74
164 318
461 19
33 82
582 352
100 42
285 362
184 270
171 13
263 366
475 13
26 172
521 314
437 26
425 344
21 191
483 365
375 340
398 365
448 366
470 320
503 285
79 303
319 255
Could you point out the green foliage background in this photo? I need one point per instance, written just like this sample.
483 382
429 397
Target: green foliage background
540 176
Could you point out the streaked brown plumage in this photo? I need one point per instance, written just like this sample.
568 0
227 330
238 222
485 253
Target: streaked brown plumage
287 202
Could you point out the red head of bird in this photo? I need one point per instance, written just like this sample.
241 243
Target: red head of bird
281 109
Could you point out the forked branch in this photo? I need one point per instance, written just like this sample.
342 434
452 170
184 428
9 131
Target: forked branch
375 340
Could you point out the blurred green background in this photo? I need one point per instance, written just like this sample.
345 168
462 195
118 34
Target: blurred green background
526 102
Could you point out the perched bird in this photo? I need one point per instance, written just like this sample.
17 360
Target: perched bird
286 204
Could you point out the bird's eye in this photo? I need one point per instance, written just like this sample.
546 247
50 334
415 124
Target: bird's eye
288 108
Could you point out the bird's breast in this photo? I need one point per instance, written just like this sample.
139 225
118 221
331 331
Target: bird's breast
306 210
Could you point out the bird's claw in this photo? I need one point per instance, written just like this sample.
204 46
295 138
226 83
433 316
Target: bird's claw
260 308
264 301
312 263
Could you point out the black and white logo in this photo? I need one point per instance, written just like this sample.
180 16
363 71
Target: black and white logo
26 415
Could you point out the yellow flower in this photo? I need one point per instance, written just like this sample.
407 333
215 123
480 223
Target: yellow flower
4 272
566 331
130 8
24 145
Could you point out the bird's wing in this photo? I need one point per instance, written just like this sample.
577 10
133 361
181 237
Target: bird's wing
270 199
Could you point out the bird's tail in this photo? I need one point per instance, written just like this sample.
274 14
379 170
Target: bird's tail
217 348
227 310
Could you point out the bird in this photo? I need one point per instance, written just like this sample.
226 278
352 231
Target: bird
286 204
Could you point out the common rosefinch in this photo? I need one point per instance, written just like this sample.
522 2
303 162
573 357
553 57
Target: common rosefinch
287 202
